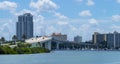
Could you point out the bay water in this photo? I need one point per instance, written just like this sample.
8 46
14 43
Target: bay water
64 57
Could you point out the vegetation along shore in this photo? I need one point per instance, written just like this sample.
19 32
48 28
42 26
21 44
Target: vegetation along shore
22 48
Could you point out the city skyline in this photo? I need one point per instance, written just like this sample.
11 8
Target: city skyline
75 17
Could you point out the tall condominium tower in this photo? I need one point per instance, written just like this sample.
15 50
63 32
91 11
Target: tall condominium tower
24 26
111 39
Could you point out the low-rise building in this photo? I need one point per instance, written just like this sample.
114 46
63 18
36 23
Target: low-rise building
77 39
59 36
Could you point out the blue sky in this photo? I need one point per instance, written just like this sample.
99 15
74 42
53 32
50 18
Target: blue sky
71 17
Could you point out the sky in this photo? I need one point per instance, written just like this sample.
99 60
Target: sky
71 17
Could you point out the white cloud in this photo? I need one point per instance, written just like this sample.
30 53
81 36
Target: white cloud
118 1
93 21
7 28
60 16
73 28
52 29
39 18
7 5
116 18
62 23
24 11
90 2
44 5
85 13
115 27
85 27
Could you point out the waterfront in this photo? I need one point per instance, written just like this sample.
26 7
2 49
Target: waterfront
64 57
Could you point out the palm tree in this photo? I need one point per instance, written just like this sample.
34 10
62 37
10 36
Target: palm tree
14 38
39 44
0 42
2 39
28 45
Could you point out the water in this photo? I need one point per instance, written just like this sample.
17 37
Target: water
64 57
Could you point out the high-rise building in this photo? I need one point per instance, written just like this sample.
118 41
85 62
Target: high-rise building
98 38
59 36
77 39
24 26
112 39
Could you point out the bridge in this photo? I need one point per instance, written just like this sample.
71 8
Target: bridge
52 44
67 45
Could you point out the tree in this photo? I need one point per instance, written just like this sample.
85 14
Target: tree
28 45
2 39
103 44
39 44
14 38
21 44
24 37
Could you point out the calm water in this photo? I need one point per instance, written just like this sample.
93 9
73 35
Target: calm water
64 57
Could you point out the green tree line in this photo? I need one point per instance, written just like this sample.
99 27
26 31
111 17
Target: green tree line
22 49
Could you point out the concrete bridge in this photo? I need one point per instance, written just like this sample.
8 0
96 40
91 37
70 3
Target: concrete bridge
67 45
52 44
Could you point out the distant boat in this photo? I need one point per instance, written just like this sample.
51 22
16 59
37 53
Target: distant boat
83 49
91 49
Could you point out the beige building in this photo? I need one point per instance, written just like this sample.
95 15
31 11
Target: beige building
59 36
98 38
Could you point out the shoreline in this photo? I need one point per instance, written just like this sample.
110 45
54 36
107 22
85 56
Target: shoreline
64 50
87 50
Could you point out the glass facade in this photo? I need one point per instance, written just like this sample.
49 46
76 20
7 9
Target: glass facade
24 26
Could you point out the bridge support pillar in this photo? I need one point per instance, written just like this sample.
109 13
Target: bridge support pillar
48 45
73 46
57 46
41 45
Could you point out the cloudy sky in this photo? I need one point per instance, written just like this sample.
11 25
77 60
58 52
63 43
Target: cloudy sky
71 17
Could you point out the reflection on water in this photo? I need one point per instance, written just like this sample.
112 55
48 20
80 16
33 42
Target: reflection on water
64 57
